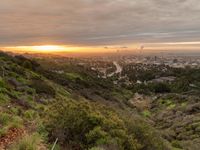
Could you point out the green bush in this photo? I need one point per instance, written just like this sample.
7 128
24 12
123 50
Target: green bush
176 144
3 98
181 85
8 121
146 113
146 135
160 87
27 64
30 115
85 125
42 87
18 69
4 118
2 83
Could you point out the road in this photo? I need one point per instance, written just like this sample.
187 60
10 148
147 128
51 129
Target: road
118 69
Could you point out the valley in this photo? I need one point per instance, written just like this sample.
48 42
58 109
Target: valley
69 99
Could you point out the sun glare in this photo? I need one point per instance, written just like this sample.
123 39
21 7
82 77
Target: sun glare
48 48
41 48
52 49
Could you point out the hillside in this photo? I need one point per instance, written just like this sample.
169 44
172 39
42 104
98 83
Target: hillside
40 105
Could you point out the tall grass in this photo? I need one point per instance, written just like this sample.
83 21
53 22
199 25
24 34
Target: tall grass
29 142
7 121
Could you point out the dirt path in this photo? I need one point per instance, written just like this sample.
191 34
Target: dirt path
12 135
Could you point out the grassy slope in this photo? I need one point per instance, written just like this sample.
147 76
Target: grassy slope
22 105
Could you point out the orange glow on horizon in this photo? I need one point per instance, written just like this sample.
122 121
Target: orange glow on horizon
41 48
56 49
195 45
48 48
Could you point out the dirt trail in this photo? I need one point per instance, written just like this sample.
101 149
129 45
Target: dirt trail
12 135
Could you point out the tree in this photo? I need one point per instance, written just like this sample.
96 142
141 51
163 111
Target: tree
160 87
27 64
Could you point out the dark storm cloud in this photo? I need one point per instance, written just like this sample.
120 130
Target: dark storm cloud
98 22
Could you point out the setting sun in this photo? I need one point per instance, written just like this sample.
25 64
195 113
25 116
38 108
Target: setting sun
48 48
40 48
53 49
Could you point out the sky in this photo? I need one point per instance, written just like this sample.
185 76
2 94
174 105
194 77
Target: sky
100 23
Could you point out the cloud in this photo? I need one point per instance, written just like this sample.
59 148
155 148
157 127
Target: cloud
98 22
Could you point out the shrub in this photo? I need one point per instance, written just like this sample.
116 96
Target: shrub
146 135
85 125
14 110
146 113
27 64
4 119
181 85
2 83
160 88
18 69
7 121
3 97
3 131
176 144
30 115
42 87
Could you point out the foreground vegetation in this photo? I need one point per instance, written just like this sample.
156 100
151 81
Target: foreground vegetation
78 110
